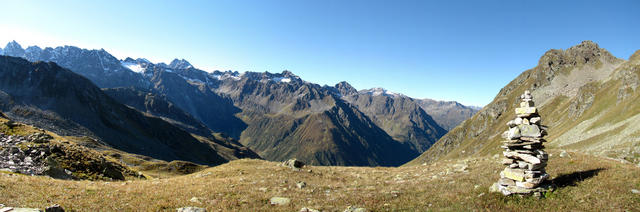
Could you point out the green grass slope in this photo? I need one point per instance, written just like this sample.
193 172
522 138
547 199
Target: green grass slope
585 183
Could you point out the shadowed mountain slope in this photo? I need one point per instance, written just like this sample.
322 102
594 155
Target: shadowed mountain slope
399 116
53 98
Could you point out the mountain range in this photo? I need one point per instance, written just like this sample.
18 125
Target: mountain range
277 115
48 96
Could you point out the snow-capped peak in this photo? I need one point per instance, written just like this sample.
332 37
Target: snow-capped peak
13 49
378 92
13 45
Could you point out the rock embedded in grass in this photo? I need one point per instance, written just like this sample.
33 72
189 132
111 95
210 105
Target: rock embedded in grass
301 184
355 209
305 209
191 209
563 154
279 201
195 200
10 209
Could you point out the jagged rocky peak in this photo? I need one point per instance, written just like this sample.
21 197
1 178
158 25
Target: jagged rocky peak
586 52
13 49
162 65
32 53
142 61
287 73
180 64
283 77
220 75
345 89
129 60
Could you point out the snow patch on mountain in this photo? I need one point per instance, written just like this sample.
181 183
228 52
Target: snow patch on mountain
192 80
226 75
281 79
135 67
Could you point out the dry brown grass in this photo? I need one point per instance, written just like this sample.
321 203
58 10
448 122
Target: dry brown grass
588 183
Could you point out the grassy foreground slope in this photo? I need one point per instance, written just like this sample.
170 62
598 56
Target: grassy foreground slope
585 183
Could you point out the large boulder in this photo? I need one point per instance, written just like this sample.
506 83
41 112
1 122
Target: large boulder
293 163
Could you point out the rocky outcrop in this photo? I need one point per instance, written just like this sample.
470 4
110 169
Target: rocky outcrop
26 155
39 154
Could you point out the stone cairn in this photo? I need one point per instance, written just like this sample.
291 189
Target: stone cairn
525 160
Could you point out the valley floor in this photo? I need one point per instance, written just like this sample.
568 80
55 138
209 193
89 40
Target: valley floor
585 183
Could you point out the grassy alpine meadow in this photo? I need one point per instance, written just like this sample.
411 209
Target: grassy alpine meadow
584 183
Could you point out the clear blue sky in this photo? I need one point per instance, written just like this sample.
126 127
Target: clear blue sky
450 50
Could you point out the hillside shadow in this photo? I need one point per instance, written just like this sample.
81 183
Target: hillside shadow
572 179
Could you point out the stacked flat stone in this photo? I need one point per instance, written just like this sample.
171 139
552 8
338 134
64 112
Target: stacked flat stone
524 157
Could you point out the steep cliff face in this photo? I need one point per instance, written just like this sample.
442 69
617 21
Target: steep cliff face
578 90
